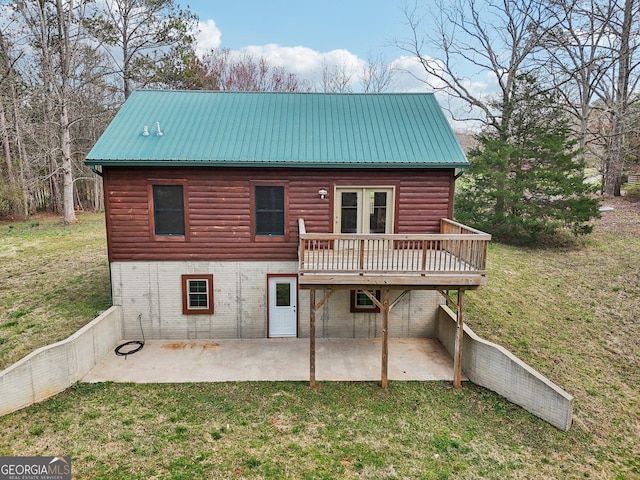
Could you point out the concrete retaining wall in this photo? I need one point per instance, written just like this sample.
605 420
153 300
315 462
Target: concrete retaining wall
491 366
50 370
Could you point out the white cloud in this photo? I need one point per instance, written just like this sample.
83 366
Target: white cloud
299 60
208 37
307 63
409 75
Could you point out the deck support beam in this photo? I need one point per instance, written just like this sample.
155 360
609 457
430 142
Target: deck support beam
457 359
385 338
445 294
312 338
384 307
399 299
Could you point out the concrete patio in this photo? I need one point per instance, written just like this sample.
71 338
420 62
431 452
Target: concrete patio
277 359
88 355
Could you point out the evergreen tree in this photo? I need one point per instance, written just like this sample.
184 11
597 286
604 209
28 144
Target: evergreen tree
525 178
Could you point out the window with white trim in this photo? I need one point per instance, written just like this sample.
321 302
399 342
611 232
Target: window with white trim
197 294
361 303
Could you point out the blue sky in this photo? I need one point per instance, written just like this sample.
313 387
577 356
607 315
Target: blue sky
358 26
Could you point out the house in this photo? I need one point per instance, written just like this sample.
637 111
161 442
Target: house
249 215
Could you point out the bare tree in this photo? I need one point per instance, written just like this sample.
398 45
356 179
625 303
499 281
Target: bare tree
54 29
37 21
66 49
576 58
220 70
377 75
54 103
142 31
10 131
587 51
94 100
625 80
459 39
593 55
6 74
336 78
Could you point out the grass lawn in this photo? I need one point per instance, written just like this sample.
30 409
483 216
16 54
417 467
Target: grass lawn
570 311
54 279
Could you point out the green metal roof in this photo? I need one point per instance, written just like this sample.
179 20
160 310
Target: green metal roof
279 129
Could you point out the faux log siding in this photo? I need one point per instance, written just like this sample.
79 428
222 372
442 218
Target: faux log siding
220 214
422 203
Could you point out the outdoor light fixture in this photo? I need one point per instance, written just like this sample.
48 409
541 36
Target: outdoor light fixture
145 132
322 192
159 131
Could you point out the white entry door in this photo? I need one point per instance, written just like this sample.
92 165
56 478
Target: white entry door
283 299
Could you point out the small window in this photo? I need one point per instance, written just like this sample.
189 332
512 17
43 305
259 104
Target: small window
168 210
269 212
361 303
197 294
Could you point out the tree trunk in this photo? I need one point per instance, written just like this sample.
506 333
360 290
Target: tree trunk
14 199
615 163
6 144
65 53
615 156
54 186
25 171
98 197
67 168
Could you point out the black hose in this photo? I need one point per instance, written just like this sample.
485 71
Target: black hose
139 343
129 352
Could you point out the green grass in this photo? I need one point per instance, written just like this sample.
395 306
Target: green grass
569 311
55 279
289 430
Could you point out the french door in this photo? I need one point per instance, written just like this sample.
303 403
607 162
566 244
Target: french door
363 210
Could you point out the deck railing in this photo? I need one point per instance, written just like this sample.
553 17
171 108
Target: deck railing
457 249
473 250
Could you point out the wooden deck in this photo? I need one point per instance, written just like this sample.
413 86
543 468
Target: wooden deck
454 258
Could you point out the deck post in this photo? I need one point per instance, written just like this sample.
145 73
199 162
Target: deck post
385 337
457 359
312 338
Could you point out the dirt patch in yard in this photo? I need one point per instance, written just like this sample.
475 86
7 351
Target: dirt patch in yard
625 216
